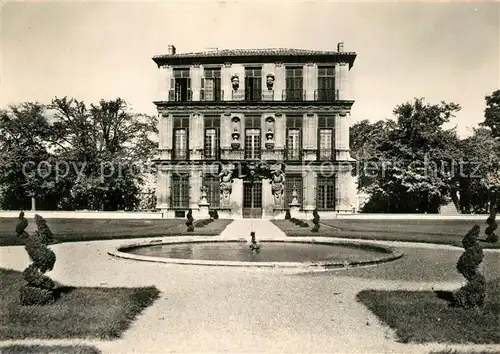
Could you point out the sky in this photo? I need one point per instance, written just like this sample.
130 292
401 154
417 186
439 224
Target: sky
441 51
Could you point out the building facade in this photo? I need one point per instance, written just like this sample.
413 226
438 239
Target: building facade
251 133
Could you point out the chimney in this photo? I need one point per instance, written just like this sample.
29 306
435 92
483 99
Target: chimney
340 47
171 49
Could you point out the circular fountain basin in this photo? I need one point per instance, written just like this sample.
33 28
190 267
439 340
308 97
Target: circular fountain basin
272 253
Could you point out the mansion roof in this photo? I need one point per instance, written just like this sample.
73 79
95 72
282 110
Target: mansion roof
255 55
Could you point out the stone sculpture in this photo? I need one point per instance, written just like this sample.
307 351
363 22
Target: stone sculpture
277 185
226 183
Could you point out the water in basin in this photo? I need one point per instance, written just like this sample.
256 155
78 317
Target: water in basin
269 252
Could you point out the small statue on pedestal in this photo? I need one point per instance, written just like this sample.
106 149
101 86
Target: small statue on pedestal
254 246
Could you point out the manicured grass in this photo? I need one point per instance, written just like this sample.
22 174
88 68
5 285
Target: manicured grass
449 232
72 230
423 317
102 313
49 349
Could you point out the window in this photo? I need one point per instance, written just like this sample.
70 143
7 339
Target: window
181 85
294 90
211 85
181 138
213 191
325 144
325 193
212 128
252 144
210 143
179 198
293 144
253 84
326 134
326 83
293 140
292 181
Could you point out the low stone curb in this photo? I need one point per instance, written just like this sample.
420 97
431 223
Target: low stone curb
393 254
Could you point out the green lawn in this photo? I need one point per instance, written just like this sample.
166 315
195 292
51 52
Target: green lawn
101 313
48 349
448 232
423 317
71 230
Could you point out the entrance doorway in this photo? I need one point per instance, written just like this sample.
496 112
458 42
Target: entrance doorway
252 199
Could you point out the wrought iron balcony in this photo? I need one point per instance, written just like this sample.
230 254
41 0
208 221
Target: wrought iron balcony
293 95
326 95
211 95
180 95
293 154
211 154
180 154
326 154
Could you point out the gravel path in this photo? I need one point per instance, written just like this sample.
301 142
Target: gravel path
219 309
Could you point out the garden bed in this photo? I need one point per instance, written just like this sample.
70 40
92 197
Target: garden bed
423 317
49 349
101 313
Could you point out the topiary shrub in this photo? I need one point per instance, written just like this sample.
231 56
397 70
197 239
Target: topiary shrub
216 215
471 237
21 226
490 230
189 222
44 231
474 292
315 221
39 289
304 224
287 215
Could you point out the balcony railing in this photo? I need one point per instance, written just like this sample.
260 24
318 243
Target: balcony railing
326 154
180 155
180 95
211 154
211 95
326 95
293 154
293 95
287 95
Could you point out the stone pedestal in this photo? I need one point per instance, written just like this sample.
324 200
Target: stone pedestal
203 210
294 209
203 205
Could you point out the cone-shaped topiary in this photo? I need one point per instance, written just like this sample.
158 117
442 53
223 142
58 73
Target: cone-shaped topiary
216 215
287 215
474 292
21 226
39 289
315 221
189 222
